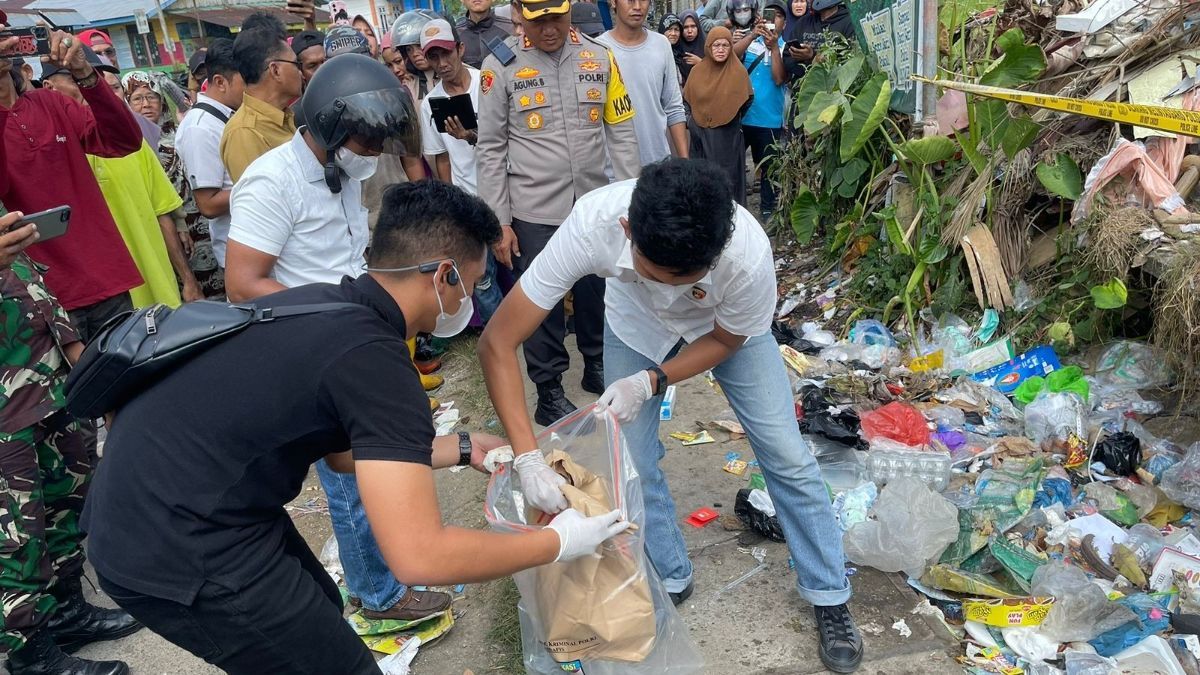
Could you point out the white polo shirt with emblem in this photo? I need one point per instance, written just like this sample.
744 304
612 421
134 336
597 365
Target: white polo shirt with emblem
282 207
738 293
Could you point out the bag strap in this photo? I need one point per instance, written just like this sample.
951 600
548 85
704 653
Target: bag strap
265 314
212 111
755 62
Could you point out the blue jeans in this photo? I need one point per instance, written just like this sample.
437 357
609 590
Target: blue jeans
487 291
367 575
757 387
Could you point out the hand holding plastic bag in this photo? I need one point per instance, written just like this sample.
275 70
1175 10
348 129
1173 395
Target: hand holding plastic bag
624 398
539 482
579 535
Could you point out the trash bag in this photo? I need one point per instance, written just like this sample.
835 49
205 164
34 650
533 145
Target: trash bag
1081 610
1132 365
756 519
1120 452
897 421
608 614
1181 482
1112 504
1065 379
872 333
840 426
1151 619
912 526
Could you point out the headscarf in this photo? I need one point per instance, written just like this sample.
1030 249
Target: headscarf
174 99
717 91
792 19
684 47
668 21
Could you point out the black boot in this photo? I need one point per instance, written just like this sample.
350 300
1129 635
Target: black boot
841 644
552 404
40 656
76 623
593 376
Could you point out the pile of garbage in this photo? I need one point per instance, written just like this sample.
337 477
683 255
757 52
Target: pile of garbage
1022 496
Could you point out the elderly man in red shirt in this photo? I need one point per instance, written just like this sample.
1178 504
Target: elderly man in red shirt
46 138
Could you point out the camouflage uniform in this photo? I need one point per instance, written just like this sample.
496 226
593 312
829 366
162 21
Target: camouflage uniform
44 461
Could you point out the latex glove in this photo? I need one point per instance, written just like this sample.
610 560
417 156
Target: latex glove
625 396
539 482
579 535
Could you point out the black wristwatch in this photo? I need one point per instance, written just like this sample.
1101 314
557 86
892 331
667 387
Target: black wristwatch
660 381
464 449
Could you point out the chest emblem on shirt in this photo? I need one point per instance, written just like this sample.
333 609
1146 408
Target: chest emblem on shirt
593 94
539 97
586 54
534 120
526 73
486 79
524 101
589 66
698 293
594 115
60 139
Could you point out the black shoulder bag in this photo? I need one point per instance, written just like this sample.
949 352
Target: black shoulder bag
136 348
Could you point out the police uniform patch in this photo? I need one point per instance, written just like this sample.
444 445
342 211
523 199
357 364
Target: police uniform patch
594 114
534 120
589 66
594 94
526 73
526 44
539 97
575 37
486 79
586 54
524 101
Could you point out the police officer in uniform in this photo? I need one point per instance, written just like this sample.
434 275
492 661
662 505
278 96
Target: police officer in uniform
549 106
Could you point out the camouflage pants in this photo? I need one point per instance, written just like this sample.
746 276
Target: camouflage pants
44 474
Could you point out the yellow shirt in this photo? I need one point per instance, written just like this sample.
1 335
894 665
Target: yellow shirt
254 129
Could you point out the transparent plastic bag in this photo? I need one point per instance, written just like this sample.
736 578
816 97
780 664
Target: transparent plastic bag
1081 610
1131 364
1054 416
912 526
592 612
1181 482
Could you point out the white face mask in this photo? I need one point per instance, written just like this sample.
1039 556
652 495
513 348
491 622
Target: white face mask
356 166
449 325
742 16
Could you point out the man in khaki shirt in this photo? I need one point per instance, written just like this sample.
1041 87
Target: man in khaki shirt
549 117
273 81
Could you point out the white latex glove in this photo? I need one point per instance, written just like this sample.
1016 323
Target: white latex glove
579 535
539 482
625 396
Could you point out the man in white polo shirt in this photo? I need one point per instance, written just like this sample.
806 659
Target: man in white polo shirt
690 287
453 151
298 219
198 141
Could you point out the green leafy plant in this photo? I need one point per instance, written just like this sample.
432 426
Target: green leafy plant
1061 177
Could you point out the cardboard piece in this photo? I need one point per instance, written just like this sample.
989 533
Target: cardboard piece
992 288
1171 560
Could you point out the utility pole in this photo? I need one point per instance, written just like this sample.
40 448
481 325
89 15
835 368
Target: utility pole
199 24
168 44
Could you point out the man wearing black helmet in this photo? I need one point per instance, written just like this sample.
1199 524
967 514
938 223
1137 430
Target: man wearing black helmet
813 30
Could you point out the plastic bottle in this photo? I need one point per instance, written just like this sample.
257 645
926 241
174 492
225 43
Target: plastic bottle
931 468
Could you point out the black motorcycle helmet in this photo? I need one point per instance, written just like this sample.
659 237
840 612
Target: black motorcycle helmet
355 95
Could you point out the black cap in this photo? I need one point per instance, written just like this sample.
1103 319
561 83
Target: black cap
197 60
586 17
308 38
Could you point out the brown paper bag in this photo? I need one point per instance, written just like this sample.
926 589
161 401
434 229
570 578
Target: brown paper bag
594 608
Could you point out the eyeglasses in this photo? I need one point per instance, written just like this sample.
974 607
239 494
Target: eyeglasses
144 98
109 52
294 63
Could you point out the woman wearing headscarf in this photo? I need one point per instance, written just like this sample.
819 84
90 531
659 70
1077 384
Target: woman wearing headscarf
690 48
671 28
800 21
718 92
156 98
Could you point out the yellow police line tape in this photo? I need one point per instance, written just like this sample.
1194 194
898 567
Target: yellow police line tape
1149 116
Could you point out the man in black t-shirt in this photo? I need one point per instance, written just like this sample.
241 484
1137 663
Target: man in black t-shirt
185 518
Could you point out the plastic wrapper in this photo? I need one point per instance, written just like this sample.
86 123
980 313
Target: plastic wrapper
331 560
853 506
1053 417
1087 663
1065 379
1151 619
608 614
874 357
1146 542
757 518
1001 417
1081 610
1132 365
872 333
1181 482
1112 504
947 417
912 526
897 421
1120 452
1145 498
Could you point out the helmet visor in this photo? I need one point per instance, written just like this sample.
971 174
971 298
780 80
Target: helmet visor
383 120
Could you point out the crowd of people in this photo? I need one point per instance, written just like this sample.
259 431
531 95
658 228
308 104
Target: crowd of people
387 185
